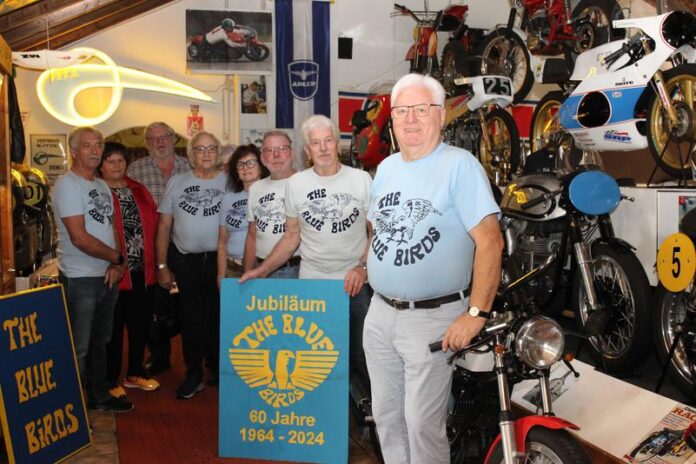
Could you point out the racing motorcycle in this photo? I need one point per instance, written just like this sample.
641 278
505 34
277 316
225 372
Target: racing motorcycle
515 345
666 442
246 45
543 28
478 105
562 219
619 98
422 54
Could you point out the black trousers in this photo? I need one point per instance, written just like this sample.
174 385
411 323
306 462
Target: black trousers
196 277
134 311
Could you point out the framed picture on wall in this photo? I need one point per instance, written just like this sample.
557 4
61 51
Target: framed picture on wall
229 42
253 92
49 153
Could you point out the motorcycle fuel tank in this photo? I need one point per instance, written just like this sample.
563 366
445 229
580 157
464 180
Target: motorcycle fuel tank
526 188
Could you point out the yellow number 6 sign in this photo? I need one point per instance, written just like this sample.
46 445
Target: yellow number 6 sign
676 262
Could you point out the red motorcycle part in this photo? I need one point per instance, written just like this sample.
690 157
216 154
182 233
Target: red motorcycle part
236 37
197 39
525 424
369 143
424 44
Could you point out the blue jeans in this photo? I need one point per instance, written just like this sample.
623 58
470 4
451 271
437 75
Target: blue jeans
285 272
91 310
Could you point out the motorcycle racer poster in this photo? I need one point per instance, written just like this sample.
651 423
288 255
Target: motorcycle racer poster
667 442
224 42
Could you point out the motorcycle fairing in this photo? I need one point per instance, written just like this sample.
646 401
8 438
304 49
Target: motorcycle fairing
594 193
524 424
619 132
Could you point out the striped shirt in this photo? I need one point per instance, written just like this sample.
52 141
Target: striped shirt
147 172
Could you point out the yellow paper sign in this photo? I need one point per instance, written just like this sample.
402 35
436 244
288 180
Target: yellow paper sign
676 262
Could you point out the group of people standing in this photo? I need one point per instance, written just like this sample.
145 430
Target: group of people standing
426 230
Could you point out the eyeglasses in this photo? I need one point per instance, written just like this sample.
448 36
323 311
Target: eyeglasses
421 110
159 138
199 150
280 149
248 164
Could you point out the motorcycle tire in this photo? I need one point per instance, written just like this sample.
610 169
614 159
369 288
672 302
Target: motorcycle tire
670 146
545 128
624 344
547 445
453 56
671 312
607 11
515 64
257 52
504 157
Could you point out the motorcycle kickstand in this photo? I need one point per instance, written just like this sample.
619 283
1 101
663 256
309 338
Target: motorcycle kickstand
670 355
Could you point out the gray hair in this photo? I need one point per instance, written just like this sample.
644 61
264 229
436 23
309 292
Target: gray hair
192 141
157 125
437 92
76 135
318 121
276 133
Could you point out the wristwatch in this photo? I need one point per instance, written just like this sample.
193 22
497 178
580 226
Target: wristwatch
120 260
161 266
474 311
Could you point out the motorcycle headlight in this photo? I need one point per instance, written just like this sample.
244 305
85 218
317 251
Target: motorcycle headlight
539 342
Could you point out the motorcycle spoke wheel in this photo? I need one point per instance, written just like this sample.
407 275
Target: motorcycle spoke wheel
502 159
507 57
673 145
670 318
593 19
623 290
449 71
546 446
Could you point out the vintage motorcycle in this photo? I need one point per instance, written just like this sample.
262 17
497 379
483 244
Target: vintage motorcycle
422 54
543 28
562 218
478 105
675 319
620 99
247 45
666 442
515 345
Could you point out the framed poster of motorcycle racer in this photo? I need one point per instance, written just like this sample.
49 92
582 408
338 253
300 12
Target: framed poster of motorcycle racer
229 42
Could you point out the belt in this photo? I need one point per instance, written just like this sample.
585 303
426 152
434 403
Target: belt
426 304
294 261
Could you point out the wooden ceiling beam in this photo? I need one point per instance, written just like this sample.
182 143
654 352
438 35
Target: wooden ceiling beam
73 22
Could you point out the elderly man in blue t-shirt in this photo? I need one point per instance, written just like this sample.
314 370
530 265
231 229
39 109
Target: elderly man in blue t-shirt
434 264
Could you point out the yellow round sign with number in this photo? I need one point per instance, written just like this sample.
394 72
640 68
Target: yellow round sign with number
676 262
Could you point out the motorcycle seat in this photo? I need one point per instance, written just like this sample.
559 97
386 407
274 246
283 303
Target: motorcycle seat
556 71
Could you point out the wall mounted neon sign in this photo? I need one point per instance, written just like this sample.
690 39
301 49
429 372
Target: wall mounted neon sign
67 73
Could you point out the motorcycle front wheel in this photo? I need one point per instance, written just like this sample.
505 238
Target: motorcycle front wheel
257 52
546 129
593 23
502 159
546 446
510 58
622 289
669 319
452 54
673 144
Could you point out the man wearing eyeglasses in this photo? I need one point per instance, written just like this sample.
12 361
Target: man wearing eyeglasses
153 171
325 209
434 264
266 213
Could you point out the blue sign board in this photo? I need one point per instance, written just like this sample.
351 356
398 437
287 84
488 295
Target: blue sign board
41 407
284 370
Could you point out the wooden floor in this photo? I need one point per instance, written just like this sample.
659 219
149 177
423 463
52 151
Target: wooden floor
162 428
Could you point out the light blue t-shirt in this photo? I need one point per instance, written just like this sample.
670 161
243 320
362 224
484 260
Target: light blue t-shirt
73 195
195 207
421 212
234 218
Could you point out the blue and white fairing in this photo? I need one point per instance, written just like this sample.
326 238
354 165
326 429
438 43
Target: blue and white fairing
600 113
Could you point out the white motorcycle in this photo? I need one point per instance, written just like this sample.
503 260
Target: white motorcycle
618 98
